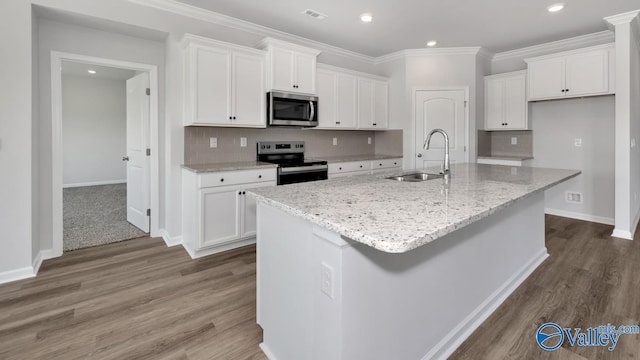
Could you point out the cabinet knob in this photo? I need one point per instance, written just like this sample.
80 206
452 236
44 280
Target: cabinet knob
244 193
563 90
337 122
360 166
395 163
380 164
340 169
374 124
259 176
239 192
567 90
222 180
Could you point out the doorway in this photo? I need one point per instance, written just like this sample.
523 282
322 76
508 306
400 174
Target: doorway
444 109
105 172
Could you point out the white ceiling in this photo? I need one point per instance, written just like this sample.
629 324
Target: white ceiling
497 25
103 72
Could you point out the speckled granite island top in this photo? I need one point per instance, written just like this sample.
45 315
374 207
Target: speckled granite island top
397 217
228 166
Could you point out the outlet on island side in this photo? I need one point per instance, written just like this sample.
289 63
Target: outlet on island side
326 280
573 197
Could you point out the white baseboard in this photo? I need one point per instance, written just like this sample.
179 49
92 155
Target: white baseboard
17 274
169 240
622 234
95 183
460 333
266 351
579 216
219 248
47 254
37 262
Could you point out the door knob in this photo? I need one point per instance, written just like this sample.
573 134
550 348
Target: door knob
419 155
125 158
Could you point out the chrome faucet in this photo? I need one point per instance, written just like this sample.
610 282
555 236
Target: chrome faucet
445 167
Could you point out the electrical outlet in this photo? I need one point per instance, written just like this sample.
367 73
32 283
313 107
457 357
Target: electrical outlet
577 142
335 141
573 197
243 142
369 140
326 280
213 142
514 141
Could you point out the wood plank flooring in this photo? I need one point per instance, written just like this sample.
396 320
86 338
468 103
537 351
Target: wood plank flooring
141 300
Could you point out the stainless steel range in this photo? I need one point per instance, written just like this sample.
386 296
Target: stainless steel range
292 167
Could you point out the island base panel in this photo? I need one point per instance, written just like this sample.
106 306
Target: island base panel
323 297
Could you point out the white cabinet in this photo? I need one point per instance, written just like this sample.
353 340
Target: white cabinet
364 167
351 100
583 72
291 68
505 101
372 104
218 214
223 84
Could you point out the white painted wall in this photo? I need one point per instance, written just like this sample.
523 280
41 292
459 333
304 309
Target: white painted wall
635 123
55 36
94 130
16 132
35 132
555 126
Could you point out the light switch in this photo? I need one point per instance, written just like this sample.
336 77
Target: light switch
213 142
577 142
243 142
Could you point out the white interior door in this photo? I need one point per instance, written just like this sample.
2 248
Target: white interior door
440 109
136 157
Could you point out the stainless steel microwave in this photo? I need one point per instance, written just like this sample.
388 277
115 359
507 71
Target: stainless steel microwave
286 109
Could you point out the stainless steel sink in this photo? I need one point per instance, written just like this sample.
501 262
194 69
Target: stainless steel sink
416 177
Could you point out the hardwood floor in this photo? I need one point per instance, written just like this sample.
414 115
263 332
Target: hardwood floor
136 299
141 300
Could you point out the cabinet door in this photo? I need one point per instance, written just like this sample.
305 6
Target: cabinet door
380 105
249 210
494 104
347 101
365 103
282 70
212 86
327 106
587 73
546 79
515 103
220 209
248 91
305 76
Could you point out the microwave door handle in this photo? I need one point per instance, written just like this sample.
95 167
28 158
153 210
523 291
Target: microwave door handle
313 111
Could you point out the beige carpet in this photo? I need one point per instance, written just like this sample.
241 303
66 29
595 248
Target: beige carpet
96 215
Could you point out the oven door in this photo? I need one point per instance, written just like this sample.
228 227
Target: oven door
292 175
285 109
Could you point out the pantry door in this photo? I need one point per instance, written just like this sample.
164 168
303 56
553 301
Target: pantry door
446 110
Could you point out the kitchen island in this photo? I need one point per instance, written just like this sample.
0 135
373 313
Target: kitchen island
370 268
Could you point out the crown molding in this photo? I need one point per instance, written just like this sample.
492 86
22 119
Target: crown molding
623 18
195 12
402 54
598 38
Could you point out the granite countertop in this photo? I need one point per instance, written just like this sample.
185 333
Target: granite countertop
347 158
397 217
228 166
506 157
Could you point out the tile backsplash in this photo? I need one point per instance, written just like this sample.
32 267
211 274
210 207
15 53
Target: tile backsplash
498 143
318 143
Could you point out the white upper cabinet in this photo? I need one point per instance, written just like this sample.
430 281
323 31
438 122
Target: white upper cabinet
224 84
290 67
351 100
583 72
505 105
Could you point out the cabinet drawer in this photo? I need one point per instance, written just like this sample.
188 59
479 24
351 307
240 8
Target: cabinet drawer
386 164
225 178
343 167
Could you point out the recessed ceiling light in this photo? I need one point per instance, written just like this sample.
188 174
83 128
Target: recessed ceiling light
91 72
432 43
555 8
366 18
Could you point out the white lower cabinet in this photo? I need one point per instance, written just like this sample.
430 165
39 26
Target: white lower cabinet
218 214
365 167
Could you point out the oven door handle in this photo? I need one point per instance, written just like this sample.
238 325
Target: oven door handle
313 111
302 169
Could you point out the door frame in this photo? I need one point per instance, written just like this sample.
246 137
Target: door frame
414 94
56 138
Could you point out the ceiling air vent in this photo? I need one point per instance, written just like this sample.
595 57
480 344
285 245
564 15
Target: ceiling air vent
314 14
